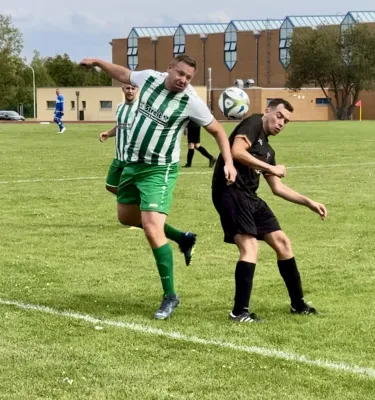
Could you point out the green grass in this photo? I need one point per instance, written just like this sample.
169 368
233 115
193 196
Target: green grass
62 247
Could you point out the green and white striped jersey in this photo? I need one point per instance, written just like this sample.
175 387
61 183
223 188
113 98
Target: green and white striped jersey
125 114
161 118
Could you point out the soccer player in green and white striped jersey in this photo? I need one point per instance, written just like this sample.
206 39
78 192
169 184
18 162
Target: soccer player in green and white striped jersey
125 114
167 102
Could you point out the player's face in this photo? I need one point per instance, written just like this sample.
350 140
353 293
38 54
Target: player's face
130 93
276 119
179 76
57 92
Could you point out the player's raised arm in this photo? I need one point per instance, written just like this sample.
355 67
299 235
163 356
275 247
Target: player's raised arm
117 72
218 132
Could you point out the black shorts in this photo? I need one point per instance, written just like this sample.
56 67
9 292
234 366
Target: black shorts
194 135
240 214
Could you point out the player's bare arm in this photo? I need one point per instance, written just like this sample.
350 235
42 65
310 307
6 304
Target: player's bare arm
105 135
286 193
218 132
117 72
240 153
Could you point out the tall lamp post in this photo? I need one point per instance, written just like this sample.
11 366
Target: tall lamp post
257 36
204 40
34 92
154 41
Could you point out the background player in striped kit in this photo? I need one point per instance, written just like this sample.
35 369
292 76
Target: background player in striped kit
166 103
125 116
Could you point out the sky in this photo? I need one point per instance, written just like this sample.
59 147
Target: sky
84 28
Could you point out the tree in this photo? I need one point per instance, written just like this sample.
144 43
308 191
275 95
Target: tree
344 62
61 69
65 72
11 44
10 37
42 77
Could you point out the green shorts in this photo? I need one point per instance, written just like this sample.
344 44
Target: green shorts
149 186
114 173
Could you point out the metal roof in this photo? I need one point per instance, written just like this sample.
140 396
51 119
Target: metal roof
314 20
148 31
193 29
363 16
257 25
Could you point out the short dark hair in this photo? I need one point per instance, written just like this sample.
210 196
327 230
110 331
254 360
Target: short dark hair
275 102
186 59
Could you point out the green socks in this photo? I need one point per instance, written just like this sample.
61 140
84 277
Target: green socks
164 261
173 234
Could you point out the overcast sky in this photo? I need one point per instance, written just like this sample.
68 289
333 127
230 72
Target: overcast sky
84 28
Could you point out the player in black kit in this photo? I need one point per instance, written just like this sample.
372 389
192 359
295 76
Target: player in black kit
246 218
194 142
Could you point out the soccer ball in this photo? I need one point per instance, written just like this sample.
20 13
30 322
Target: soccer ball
234 103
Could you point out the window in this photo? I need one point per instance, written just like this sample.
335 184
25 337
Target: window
284 57
105 105
230 47
84 104
132 52
51 104
347 23
230 58
179 42
72 105
322 101
286 32
133 62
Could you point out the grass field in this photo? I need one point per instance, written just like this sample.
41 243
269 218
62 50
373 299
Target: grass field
78 290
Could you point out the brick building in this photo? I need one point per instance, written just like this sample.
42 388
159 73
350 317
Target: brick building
254 51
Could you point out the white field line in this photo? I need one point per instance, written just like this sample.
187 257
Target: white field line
84 178
144 329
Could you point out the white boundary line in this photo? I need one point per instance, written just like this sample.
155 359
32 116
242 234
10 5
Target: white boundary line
144 329
84 178
79 178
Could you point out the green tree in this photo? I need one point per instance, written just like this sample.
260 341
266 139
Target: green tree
61 70
11 45
341 61
65 72
42 77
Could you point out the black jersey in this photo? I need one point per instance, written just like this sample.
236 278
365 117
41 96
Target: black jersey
247 179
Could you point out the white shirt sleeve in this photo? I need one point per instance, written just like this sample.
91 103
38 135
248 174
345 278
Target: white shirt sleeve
138 78
199 112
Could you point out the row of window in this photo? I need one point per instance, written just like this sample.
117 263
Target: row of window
107 104
104 105
319 101
230 54
230 46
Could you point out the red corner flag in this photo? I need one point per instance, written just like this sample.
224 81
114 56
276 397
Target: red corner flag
358 103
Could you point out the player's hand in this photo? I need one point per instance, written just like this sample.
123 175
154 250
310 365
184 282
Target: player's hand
103 136
319 209
87 63
278 170
62 114
230 173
